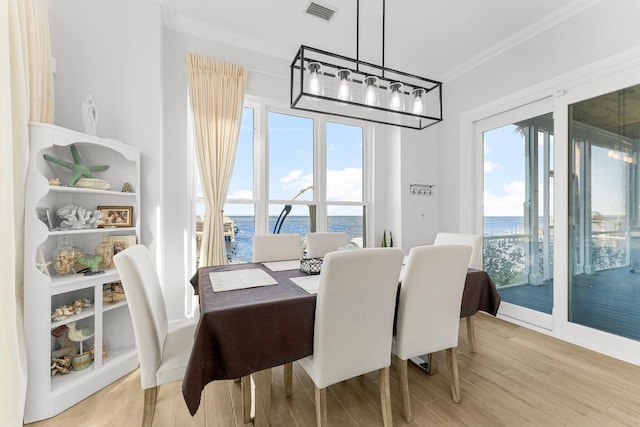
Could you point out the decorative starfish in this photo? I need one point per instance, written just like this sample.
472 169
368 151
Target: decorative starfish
79 170
43 265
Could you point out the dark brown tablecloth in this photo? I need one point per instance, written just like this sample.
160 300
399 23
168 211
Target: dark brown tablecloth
245 331
479 294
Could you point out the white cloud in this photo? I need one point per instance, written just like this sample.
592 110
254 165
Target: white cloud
344 185
509 203
296 181
241 194
490 166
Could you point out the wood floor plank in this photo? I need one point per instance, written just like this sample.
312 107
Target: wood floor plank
517 377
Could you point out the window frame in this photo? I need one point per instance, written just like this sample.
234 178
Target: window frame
261 200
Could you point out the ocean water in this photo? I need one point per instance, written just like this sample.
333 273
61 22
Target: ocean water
351 225
498 225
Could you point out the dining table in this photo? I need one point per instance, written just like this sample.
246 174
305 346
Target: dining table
253 327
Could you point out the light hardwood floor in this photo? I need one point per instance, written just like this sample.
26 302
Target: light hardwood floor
518 377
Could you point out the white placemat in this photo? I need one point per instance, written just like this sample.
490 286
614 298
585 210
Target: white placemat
240 279
308 283
293 264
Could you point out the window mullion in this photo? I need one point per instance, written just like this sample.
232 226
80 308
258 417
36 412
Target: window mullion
320 173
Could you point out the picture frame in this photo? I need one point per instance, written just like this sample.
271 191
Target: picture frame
116 216
44 215
120 243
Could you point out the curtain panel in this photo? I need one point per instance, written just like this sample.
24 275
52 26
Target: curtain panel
26 93
216 90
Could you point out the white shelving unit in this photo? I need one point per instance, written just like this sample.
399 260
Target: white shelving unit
49 395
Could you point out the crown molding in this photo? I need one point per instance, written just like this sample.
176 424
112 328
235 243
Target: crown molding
220 35
571 9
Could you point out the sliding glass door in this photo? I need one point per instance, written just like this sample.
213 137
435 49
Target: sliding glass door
604 212
518 221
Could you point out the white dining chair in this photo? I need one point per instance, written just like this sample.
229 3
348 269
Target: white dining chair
319 244
276 247
475 261
428 315
353 324
268 248
163 353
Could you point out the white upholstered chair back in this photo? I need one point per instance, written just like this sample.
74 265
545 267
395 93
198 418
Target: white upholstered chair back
474 240
163 353
354 314
276 247
148 311
319 244
430 298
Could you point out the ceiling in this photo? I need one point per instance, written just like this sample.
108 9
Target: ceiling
438 39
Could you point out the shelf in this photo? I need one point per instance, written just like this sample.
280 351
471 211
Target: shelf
91 230
61 384
47 396
112 306
86 312
72 282
78 190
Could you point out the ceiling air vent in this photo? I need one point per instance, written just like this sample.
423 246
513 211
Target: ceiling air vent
320 11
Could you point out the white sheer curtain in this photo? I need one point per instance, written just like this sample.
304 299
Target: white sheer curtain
26 93
217 96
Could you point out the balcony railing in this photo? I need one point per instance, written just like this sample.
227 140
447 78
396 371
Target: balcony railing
504 255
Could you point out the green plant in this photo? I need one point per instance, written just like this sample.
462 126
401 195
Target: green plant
384 239
503 259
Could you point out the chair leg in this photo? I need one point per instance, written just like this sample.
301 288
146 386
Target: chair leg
432 364
245 383
403 380
385 397
149 409
263 398
471 334
288 379
321 407
452 361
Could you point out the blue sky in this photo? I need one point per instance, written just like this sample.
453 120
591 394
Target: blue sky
291 163
504 175
504 172
291 168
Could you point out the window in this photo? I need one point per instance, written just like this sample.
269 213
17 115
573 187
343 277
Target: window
344 175
294 174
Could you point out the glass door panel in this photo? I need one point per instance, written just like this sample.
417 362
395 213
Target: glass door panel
518 222
604 220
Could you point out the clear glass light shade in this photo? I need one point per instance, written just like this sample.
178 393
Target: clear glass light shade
343 85
395 96
315 79
370 91
418 101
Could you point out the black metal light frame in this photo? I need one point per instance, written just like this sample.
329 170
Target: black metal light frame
301 98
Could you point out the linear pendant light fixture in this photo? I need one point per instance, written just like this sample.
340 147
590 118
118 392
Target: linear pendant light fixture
328 83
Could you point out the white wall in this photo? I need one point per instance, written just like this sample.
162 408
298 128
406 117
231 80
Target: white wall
419 164
112 51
